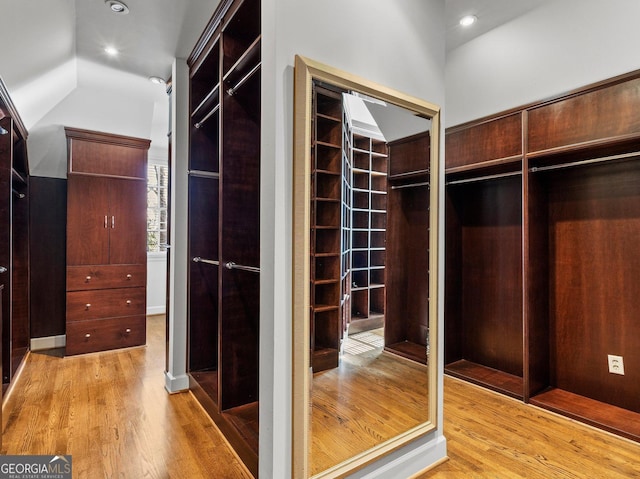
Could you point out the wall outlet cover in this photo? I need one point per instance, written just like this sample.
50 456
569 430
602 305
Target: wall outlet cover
616 364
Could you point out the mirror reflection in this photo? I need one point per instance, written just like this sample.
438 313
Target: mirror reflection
369 243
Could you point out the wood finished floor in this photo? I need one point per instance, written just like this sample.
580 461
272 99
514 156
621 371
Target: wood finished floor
111 412
351 411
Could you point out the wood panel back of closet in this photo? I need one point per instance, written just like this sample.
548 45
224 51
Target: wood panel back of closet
594 239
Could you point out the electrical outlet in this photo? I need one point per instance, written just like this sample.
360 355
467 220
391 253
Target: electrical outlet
616 364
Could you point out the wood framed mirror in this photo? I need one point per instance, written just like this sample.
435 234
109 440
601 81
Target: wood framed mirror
365 268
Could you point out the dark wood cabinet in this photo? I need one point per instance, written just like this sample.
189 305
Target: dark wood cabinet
408 208
14 237
541 264
106 241
224 223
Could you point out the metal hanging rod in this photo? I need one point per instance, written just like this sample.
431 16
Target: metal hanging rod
198 259
622 156
410 185
207 116
482 178
232 265
231 91
17 193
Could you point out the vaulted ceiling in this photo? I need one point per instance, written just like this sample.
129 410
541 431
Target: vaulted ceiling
55 67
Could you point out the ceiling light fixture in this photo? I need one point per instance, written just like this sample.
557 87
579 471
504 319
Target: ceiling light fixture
117 7
468 20
111 51
157 80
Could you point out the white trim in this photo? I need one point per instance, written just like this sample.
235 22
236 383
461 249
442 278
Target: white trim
151 310
176 384
48 342
409 464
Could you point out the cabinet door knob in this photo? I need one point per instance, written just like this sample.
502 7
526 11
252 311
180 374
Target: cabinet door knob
128 330
88 278
88 335
88 305
128 301
129 276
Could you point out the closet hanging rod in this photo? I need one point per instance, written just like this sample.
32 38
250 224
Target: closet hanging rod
482 178
198 259
17 193
231 91
622 156
232 265
410 185
207 116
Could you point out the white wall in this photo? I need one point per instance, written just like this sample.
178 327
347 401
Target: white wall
398 44
103 99
553 49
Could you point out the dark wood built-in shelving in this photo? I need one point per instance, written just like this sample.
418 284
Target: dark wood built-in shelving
224 223
543 229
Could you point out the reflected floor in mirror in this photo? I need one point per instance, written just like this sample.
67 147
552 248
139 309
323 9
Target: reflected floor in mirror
372 396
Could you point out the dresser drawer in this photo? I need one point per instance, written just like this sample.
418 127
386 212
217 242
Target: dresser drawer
104 334
81 278
105 303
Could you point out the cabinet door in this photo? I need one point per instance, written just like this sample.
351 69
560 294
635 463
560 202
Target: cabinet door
127 222
87 220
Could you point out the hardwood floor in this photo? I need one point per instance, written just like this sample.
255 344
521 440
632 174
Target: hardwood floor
110 411
351 411
492 436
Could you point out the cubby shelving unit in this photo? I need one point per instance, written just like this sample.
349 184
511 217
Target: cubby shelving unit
543 228
369 222
327 255
224 223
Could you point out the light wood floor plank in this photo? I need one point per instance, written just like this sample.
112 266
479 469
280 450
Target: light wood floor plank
111 412
492 436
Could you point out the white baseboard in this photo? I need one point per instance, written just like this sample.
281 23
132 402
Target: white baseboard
49 342
176 384
151 310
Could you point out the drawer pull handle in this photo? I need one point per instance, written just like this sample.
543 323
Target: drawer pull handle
128 301
128 330
88 305
129 276
88 278
88 335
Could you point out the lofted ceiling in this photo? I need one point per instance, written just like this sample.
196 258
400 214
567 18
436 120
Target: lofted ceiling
54 64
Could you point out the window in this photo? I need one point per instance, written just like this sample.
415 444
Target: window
157 203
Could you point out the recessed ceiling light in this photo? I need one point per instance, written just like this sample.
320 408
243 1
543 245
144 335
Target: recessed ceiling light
112 51
117 7
468 20
157 80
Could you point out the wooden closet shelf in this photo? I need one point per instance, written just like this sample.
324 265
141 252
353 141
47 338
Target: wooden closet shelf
409 350
602 415
490 378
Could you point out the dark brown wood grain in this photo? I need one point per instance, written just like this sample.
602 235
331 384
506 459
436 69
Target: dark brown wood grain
489 329
407 267
491 140
594 295
106 241
47 224
224 222
105 303
103 334
608 112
